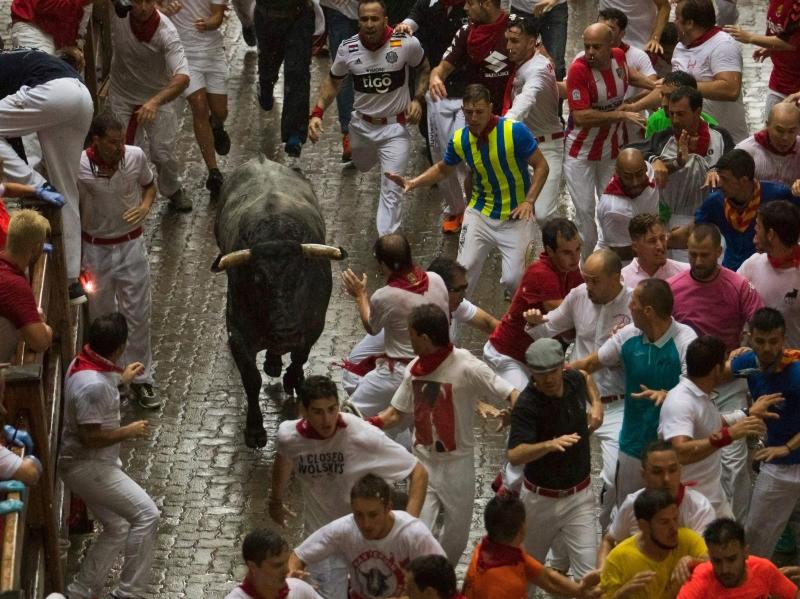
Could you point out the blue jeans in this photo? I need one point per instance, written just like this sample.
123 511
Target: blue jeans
339 29
553 29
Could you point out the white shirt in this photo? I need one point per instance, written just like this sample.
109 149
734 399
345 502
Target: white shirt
638 60
376 567
380 77
141 70
771 166
614 213
718 54
535 97
9 463
593 324
298 589
104 200
443 404
633 274
328 468
641 17
90 397
778 288
390 307
690 412
695 512
196 43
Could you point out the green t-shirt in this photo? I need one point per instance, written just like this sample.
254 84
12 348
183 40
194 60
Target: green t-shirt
659 121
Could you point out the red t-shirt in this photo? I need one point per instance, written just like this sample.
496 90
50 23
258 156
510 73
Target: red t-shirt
782 21
763 581
4 220
17 303
540 283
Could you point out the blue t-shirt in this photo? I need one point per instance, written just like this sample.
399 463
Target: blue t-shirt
739 245
787 381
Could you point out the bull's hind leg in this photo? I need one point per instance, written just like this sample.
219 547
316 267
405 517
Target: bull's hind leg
273 364
294 373
245 358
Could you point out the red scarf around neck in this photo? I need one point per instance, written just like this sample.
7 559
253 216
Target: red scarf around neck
703 139
482 39
91 360
387 33
144 32
103 168
307 431
497 555
508 100
483 136
704 38
790 261
427 364
740 220
762 138
248 587
413 279
615 188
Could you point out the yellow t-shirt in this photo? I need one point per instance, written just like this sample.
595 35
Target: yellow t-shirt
626 560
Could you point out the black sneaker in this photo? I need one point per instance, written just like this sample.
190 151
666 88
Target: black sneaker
178 201
77 294
293 146
265 99
249 35
222 141
145 396
214 183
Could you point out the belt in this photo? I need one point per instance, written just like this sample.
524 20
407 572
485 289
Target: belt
611 398
388 120
552 136
556 493
137 232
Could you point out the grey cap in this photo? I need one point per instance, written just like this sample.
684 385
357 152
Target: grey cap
544 355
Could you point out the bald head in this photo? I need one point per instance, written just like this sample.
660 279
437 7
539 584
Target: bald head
601 273
630 159
605 261
394 251
597 41
632 172
598 33
783 126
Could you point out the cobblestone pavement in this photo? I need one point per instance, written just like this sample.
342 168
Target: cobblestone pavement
211 489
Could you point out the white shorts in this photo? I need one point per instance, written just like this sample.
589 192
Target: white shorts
209 73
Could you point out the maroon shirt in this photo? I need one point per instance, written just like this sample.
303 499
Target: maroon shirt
17 303
540 283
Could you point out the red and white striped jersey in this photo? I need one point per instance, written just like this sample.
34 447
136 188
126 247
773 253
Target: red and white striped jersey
602 90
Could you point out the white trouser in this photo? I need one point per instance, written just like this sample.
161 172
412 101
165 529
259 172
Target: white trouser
389 145
130 522
586 180
121 273
629 477
330 576
775 495
59 112
370 345
479 234
244 10
570 519
735 459
162 133
451 487
547 202
608 435
773 98
444 118
26 35
374 394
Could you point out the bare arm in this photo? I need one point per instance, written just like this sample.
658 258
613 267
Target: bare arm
483 321
326 94
530 452
93 437
771 42
725 86
417 489
281 473
550 305
28 472
174 88
590 363
641 80
18 190
540 172
438 76
662 17
557 584
606 545
37 335
432 176
357 289
295 563
390 417
590 117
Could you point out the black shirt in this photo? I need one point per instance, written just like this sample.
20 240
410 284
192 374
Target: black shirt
31 68
537 418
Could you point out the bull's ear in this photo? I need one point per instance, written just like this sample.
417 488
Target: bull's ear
215 265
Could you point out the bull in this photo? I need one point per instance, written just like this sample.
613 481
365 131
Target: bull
271 237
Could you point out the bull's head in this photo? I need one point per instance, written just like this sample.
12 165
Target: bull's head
277 249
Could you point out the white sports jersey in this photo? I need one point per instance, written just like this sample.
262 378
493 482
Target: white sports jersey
443 403
141 70
377 568
105 199
198 43
535 97
295 589
380 77
614 213
719 53
771 166
694 511
328 468
778 288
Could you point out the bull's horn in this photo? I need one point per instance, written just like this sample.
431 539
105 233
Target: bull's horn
317 250
234 259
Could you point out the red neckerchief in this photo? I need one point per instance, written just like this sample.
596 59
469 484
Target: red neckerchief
624 47
497 555
481 39
427 364
615 188
791 261
144 32
103 168
781 15
704 38
91 360
483 136
740 220
680 495
762 138
307 431
507 99
248 587
703 138
387 33
413 279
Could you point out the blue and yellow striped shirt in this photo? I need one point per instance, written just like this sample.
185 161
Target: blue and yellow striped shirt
500 177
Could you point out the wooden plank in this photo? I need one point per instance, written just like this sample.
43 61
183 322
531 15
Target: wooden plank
11 554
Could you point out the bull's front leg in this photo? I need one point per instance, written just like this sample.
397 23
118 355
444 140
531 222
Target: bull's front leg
245 358
294 375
